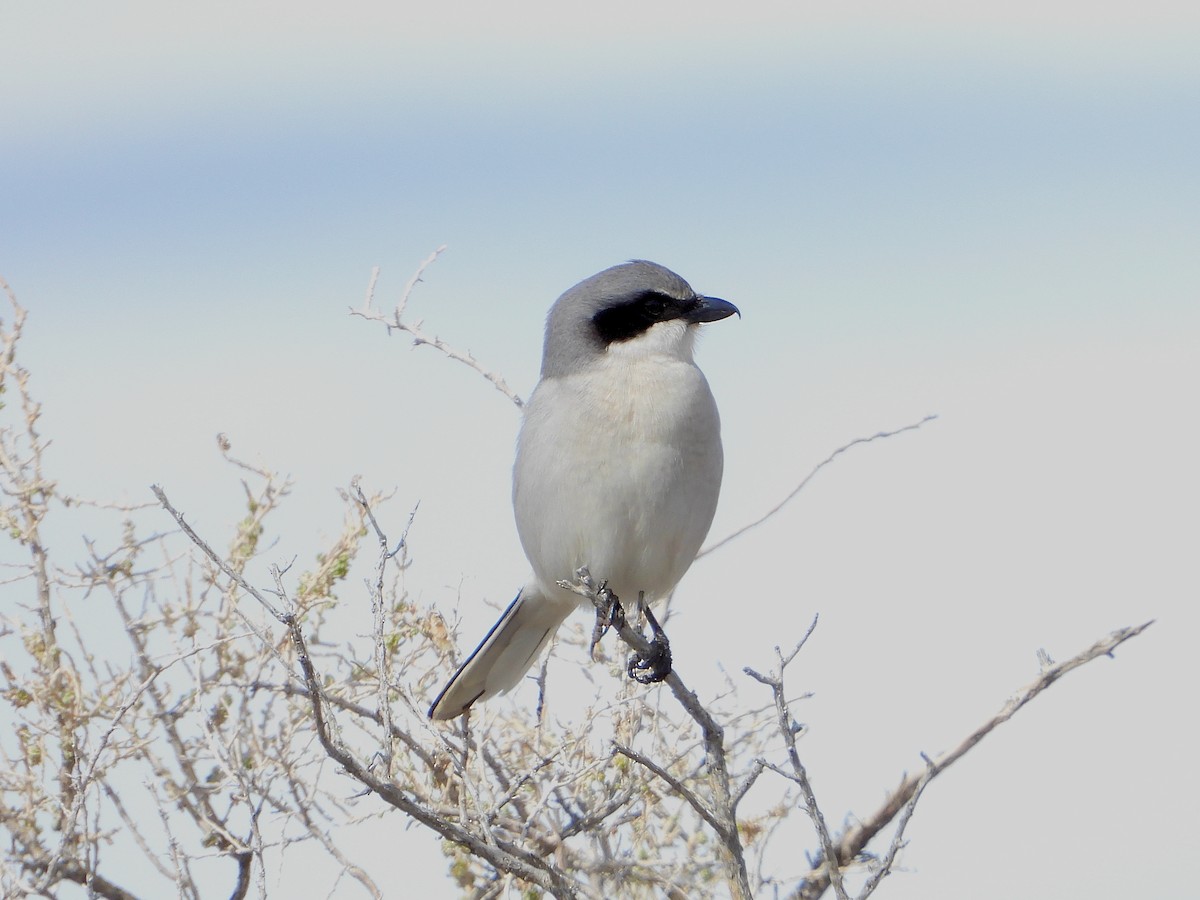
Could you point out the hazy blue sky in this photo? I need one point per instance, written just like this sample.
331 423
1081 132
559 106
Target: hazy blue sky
920 208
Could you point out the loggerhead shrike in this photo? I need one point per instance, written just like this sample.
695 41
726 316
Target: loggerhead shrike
618 462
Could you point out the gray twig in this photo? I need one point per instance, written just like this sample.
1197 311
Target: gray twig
856 838
721 814
421 337
809 477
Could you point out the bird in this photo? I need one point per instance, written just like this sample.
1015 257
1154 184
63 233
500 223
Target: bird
618 463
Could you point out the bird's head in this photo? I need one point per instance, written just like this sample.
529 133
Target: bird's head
636 307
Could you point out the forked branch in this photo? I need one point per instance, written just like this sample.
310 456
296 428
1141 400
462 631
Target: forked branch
855 840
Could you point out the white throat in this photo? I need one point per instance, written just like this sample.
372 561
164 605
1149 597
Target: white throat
675 339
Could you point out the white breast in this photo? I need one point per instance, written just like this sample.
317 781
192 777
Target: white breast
618 468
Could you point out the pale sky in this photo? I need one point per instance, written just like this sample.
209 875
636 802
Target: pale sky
992 215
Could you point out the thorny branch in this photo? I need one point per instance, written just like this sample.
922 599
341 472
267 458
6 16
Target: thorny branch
420 337
520 805
505 855
798 774
376 589
720 811
855 840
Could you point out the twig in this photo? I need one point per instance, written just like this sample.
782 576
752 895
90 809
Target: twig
420 337
382 658
504 855
809 477
674 783
722 816
798 774
883 867
83 780
856 838
217 560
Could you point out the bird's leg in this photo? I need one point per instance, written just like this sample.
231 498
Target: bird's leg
608 614
655 665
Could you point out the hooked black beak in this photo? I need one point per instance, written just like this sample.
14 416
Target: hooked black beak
710 309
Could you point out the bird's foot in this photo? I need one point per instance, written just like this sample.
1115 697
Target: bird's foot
655 666
609 613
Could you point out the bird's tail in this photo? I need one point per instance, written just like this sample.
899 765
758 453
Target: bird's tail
505 655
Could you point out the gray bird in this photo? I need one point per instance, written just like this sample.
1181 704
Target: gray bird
618 462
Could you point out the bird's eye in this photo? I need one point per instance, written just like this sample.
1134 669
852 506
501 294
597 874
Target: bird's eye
629 317
654 307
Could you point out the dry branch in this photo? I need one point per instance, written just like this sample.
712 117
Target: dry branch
855 840
639 795
396 321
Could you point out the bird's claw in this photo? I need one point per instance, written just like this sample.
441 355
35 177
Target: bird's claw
655 666
608 614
